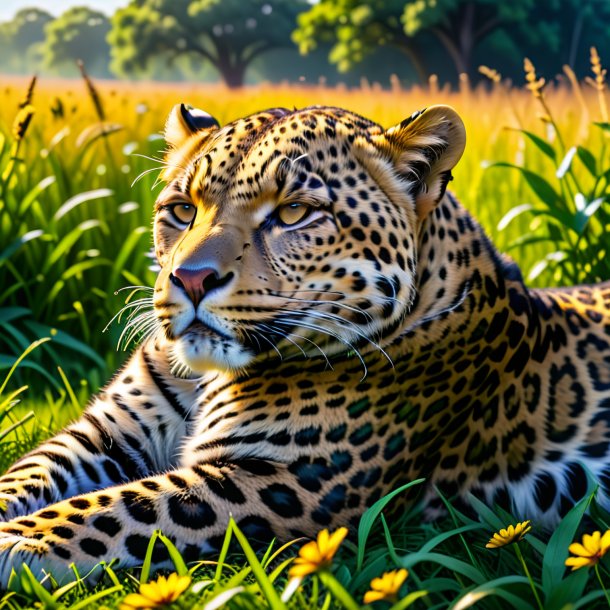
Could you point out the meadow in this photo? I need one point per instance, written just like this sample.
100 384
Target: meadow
78 177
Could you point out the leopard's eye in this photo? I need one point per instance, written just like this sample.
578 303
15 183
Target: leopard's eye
184 213
292 213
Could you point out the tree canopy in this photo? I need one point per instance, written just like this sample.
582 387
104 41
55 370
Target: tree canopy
21 39
459 28
79 33
355 29
229 34
460 25
201 39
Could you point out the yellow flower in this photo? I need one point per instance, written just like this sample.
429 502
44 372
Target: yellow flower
593 547
386 587
318 554
158 593
513 533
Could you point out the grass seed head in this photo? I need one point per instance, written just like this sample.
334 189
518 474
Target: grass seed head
27 100
93 92
534 84
599 82
492 74
22 122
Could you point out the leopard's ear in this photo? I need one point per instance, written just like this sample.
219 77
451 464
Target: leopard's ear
184 121
425 148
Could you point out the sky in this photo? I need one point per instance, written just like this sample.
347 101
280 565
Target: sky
9 7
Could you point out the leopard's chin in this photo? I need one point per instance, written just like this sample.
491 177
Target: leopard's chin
200 349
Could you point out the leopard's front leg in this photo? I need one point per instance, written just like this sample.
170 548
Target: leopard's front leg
129 431
190 505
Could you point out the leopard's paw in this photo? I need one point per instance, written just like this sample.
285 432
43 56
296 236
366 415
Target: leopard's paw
40 555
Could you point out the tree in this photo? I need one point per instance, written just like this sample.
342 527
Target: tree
561 32
229 34
79 33
21 39
460 25
355 29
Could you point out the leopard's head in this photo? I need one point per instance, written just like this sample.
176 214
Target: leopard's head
292 234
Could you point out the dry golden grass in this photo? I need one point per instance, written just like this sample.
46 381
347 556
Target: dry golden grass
492 112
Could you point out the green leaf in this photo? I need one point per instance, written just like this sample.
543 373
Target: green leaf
544 191
34 193
440 538
273 599
569 590
566 163
66 243
446 561
553 562
604 126
91 600
8 314
494 587
94 132
368 519
18 361
81 198
409 599
583 216
513 213
20 241
486 514
585 602
542 145
62 338
146 565
174 555
33 587
587 159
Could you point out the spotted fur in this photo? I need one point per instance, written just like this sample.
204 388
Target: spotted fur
330 324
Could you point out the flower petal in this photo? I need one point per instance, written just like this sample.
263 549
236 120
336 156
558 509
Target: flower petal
301 570
310 552
580 562
373 596
135 600
604 543
578 549
591 542
152 592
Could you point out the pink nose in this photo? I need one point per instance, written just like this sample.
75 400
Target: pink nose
195 282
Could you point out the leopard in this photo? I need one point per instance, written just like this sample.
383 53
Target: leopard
330 324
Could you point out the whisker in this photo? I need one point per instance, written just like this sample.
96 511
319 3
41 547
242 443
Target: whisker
133 327
326 331
293 334
319 315
285 336
137 304
269 342
337 303
145 173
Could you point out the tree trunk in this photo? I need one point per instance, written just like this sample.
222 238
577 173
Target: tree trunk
405 45
452 48
233 76
467 37
232 68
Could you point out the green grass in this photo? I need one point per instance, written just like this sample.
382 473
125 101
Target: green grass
447 561
75 228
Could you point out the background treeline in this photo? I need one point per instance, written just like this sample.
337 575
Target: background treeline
239 41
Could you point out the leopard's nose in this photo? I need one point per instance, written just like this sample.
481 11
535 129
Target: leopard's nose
197 283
